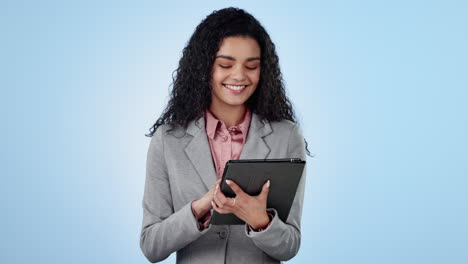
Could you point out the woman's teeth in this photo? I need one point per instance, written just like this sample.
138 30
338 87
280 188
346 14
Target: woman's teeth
235 87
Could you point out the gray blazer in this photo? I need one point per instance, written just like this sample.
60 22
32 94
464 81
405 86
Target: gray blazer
180 169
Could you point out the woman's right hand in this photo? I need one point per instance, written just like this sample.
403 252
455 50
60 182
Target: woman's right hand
203 205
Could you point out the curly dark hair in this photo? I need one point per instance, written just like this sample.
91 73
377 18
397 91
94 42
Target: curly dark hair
191 93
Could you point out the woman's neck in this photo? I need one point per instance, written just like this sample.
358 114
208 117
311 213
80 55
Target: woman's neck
230 115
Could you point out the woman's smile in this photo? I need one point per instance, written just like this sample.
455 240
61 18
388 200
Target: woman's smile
236 89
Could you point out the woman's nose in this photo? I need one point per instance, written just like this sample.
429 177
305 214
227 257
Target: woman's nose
238 74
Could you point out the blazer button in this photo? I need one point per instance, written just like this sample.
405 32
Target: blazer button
222 234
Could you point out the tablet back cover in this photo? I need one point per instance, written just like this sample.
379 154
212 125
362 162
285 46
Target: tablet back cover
250 175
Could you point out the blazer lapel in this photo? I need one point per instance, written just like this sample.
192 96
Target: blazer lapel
255 146
199 152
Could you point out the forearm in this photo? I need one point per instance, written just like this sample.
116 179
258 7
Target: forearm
280 240
161 238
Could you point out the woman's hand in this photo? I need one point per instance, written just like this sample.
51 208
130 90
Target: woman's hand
201 206
251 209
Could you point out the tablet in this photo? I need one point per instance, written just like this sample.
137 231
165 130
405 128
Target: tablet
251 174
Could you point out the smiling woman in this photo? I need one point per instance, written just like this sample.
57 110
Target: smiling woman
228 102
235 77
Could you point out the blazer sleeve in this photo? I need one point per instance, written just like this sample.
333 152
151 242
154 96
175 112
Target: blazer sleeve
281 240
164 230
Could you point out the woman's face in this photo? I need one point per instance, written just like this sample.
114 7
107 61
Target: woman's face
236 71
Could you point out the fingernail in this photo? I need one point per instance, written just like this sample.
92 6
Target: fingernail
268 184
228 182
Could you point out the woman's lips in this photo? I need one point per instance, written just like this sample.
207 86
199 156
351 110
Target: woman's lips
235 91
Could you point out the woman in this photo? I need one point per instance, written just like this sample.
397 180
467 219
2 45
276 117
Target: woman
227 102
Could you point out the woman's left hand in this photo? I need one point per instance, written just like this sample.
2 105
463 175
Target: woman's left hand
251 209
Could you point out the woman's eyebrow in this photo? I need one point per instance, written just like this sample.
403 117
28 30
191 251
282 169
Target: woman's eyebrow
233 59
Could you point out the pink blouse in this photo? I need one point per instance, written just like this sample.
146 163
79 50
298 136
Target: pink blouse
226 143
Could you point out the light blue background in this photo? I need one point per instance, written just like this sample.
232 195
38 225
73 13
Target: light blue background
380 89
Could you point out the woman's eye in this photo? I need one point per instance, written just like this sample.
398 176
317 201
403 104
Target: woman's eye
228 66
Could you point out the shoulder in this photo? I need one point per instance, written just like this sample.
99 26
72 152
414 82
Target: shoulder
283 124
291 132
171 139
166 130
286 128
162 133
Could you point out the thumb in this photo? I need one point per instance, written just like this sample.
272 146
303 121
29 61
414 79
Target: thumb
265 190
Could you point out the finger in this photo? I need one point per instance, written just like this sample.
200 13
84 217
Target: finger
216 184
220 199
217 202
217 189
219 210
235 188
265 189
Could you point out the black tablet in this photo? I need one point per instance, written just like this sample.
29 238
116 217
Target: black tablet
251 174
